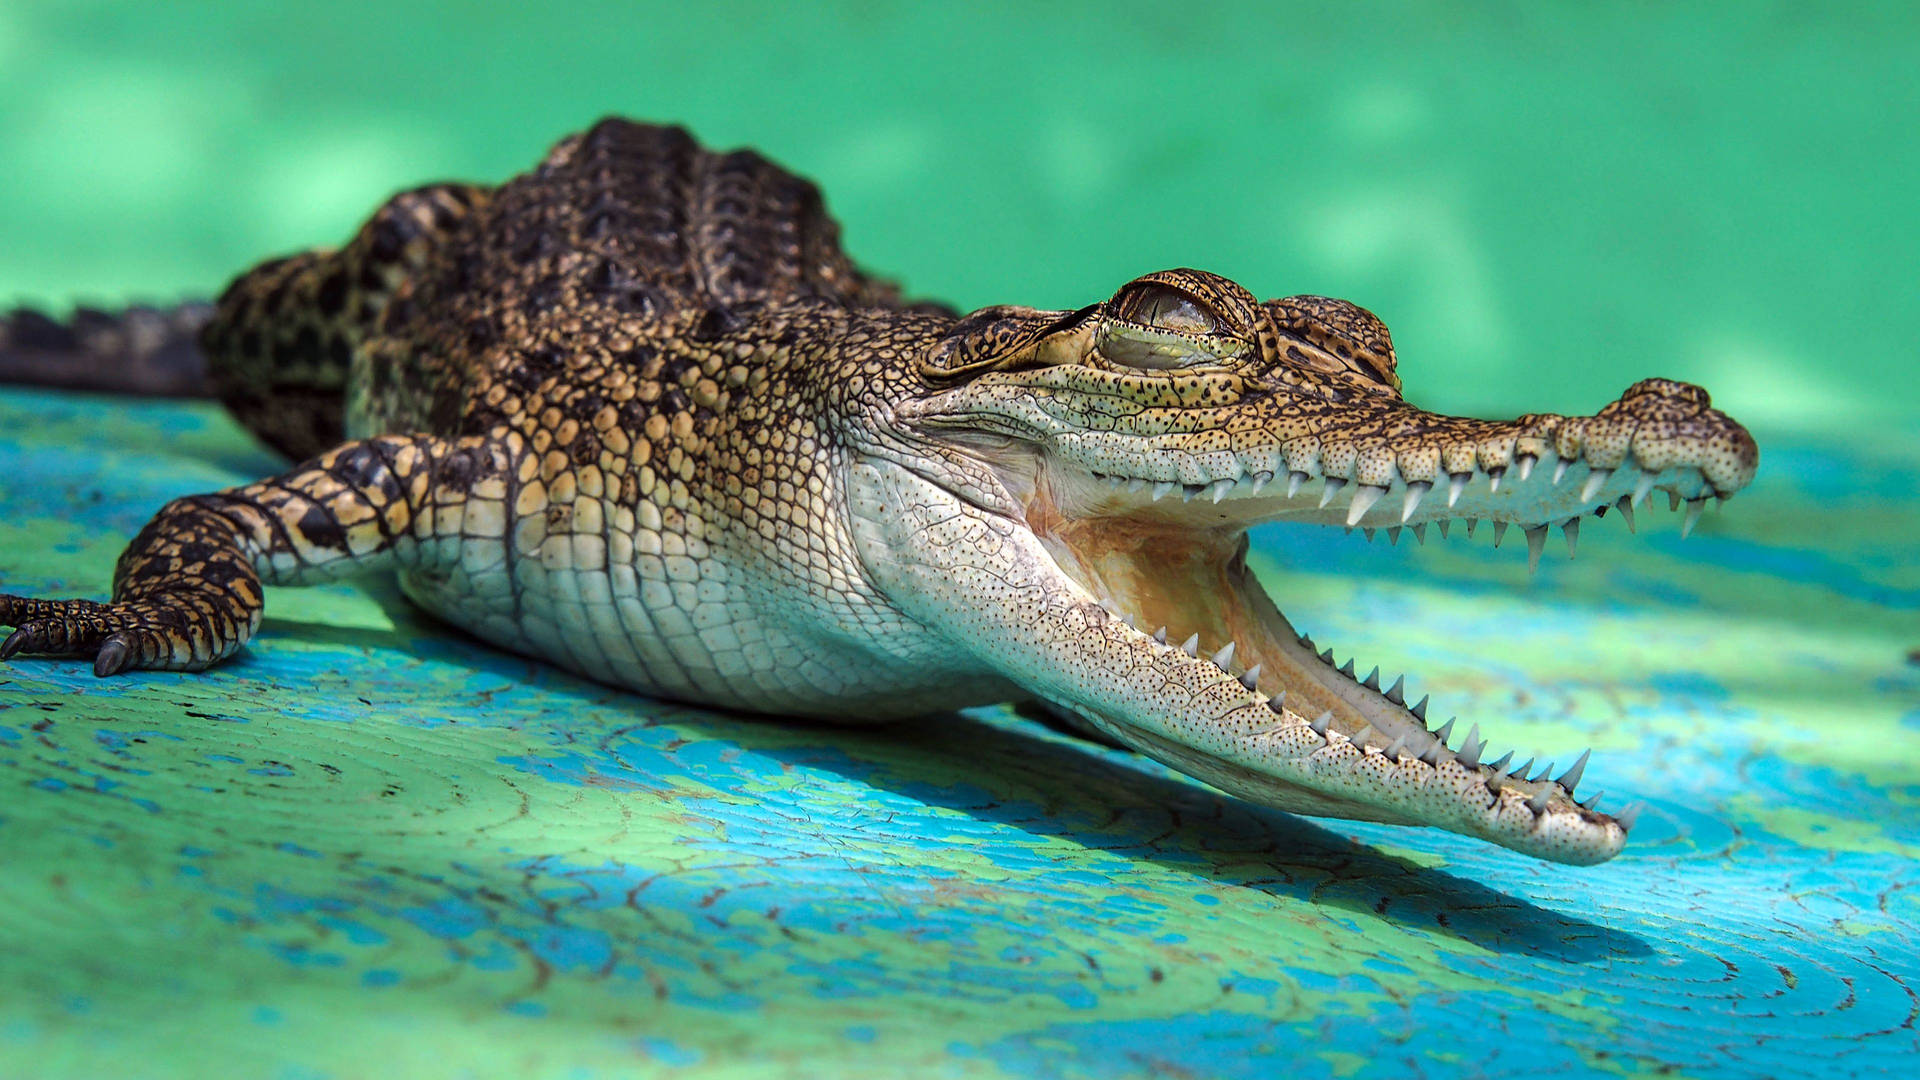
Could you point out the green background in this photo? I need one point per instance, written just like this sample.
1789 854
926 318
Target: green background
370 847
1544 200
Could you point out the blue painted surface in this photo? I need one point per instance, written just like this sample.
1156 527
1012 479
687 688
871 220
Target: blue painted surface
369 832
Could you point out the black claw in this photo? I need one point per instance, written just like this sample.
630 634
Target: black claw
112 657
14 643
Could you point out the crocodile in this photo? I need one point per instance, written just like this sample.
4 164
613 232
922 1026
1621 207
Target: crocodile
637 414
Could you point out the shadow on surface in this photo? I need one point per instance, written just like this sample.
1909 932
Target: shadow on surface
1012 774
1095 798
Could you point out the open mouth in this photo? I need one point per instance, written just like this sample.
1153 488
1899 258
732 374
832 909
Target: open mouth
1166 555
1140 438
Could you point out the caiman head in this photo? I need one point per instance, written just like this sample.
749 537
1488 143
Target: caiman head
1109 462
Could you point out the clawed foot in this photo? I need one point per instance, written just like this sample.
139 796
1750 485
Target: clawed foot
119 636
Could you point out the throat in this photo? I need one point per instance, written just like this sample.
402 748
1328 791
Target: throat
1193 586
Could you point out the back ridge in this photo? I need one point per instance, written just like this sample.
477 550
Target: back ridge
634 219
282 338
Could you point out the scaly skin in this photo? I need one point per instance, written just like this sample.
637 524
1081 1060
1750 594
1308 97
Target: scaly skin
636 414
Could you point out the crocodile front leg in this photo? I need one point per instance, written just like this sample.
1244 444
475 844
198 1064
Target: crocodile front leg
187 591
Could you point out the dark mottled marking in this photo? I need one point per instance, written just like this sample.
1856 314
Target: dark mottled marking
360 465
321 529
332 297
33 330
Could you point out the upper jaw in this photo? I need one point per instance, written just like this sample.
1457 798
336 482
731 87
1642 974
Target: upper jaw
1404 467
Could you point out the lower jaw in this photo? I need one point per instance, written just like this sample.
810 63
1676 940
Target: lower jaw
1195 583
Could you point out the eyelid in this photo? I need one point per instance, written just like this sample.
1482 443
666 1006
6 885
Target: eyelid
1163 307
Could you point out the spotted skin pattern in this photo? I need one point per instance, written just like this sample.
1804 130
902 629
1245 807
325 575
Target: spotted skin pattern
637 414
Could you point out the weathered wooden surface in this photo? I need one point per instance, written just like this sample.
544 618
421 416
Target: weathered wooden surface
373 847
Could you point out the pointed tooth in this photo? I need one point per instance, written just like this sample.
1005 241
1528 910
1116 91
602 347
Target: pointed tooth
1160 635
1319 723
1525 461
1420 532
1694 506
1294 480
1393 535
1499 766
1560 471
1396 692
1334 484
1470 750
1540 799
1472 524
1444 525
1520 771
1261 480
1360 737
1420 710
1162 489
1364 496
1445 730
1494 476
1372 681
1224 657
1327 656
1128 619
1643 487
1368 532
1188 491
1596 480
1220 489
1571 777
1628 815
1625 506
1278 701
1571 530
1191 646
1499 532
1347 668
1673 501
1416 491
1544 772
1536 544
1136 485
1592 801
1399 744
1432 754
1456 485
1250 678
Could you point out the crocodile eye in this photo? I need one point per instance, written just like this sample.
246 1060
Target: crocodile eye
1163 307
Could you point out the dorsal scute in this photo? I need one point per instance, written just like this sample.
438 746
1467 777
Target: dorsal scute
645 218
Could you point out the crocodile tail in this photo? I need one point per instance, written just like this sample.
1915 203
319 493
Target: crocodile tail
136 350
